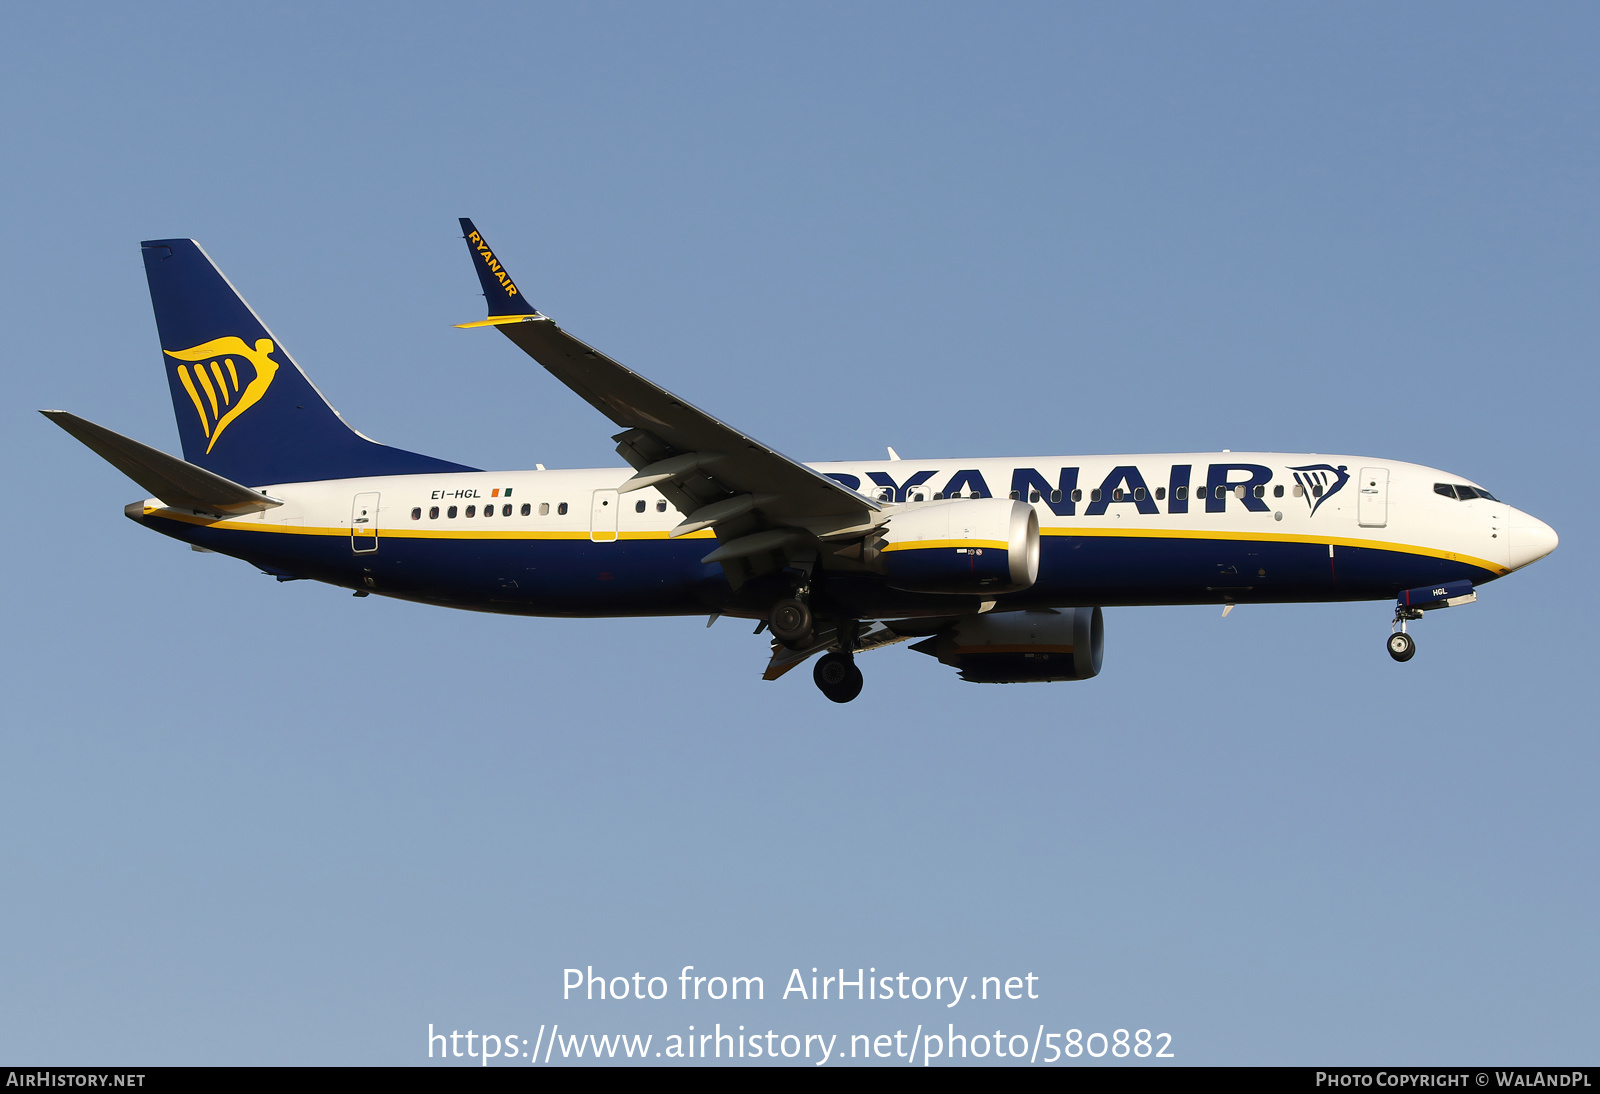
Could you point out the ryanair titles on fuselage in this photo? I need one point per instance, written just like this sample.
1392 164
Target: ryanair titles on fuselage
1123 484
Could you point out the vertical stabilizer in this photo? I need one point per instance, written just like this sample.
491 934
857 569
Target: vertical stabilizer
245 410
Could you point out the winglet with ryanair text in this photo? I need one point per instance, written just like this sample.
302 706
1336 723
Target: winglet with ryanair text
506 302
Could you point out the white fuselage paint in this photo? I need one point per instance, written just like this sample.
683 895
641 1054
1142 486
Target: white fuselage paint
1413 517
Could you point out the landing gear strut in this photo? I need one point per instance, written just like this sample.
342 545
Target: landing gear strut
1402 647
838 677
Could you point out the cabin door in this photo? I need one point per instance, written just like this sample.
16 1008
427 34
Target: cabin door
364 524
603 516
1372 508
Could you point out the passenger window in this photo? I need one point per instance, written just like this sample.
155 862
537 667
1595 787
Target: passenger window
544 509
1077 495
451 512
661 507
1094 495
505 510
938 495
1016 495
1055 496
1222 491
1117 495
472 510
1138 493
488 510
1277 491
919 496
1316 490
561 510
1182 494
1261 491
433 513
638 506
1033 496
1161 493
1299 491
527 509
416 514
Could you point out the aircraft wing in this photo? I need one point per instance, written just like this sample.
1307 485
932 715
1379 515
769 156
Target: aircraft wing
716 475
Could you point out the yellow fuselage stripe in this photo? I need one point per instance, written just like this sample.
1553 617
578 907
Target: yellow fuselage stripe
407 533
930 544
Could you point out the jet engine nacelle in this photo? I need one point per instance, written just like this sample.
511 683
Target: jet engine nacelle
1022 647
976 545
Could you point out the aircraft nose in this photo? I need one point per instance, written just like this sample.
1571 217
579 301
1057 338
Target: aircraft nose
1530 539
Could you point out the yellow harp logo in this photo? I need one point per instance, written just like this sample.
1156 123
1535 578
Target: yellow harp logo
217 376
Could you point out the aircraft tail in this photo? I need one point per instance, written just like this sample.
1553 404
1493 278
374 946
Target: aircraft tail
245 410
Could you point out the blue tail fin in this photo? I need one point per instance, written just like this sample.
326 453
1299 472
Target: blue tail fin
245 410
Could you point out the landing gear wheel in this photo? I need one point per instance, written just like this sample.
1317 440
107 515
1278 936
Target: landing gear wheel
1402 647
790 621
837 676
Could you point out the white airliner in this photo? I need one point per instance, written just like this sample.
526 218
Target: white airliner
1000 566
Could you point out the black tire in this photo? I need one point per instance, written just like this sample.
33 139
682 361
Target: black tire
1402 647
790 622
837 677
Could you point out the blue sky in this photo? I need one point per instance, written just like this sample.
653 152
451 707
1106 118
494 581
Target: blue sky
258 823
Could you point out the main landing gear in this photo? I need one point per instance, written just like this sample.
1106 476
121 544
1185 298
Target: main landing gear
794 626
838 677
791 623
1402 647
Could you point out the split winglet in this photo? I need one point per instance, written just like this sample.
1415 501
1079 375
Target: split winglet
506 302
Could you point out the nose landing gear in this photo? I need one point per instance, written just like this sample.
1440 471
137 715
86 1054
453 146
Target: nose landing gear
1413 602
1402 647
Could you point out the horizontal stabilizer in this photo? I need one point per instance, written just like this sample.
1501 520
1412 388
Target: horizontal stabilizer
176 482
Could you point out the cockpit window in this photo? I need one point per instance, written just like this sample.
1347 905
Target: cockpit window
1462 492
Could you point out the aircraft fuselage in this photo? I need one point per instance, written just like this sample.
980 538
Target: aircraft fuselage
1198 528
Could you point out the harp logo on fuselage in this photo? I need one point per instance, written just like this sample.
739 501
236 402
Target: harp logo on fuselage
1315 478
214 384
